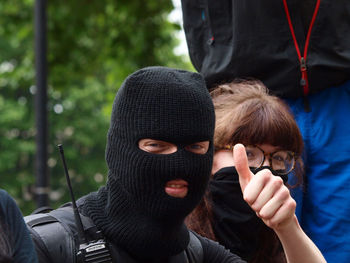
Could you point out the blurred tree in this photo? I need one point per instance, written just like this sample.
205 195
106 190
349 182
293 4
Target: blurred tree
92 46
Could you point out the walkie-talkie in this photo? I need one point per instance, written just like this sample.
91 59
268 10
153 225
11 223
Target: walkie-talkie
90 251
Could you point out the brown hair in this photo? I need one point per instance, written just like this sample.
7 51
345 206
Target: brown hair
247 114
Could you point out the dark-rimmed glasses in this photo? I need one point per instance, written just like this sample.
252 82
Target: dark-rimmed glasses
282 162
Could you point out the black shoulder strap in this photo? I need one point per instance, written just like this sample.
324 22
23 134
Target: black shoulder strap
54 240
55 233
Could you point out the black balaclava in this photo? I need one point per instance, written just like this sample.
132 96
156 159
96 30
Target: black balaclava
236 225
132 210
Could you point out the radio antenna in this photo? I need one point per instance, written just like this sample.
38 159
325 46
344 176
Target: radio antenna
77 218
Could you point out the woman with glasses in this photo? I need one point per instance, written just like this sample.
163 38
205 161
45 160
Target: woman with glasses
259 225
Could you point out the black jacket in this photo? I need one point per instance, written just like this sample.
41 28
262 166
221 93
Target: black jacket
252 38
56 240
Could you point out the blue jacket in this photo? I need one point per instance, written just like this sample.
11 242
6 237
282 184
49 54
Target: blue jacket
12 219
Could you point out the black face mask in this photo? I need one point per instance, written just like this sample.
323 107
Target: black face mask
236 225
133 210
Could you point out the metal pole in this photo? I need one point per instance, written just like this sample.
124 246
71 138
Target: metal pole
41 170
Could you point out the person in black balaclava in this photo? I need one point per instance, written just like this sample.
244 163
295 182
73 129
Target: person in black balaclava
159 154
149 193
133 210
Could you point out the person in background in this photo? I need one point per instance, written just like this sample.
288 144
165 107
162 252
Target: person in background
259 225
16 246
301 51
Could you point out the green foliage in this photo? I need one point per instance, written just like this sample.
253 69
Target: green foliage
92 46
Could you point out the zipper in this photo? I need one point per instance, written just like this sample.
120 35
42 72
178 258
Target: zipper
304 83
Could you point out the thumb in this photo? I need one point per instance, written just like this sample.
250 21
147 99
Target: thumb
241 163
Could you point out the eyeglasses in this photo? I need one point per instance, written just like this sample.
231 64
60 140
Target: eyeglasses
282 162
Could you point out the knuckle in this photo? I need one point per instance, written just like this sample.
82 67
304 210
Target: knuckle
248 199
255 207
264 215
291 204
265 175
284 193
277 182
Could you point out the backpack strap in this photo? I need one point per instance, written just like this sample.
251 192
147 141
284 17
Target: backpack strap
53 239
65 213
55 234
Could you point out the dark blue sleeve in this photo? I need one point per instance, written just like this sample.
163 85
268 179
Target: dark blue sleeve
24 251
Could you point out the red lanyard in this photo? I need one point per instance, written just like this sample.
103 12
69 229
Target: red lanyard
302 59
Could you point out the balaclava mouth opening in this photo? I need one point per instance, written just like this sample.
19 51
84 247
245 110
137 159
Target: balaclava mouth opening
133 210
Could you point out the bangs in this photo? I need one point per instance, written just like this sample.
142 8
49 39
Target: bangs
267 123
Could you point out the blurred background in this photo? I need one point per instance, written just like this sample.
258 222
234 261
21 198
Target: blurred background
91 46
